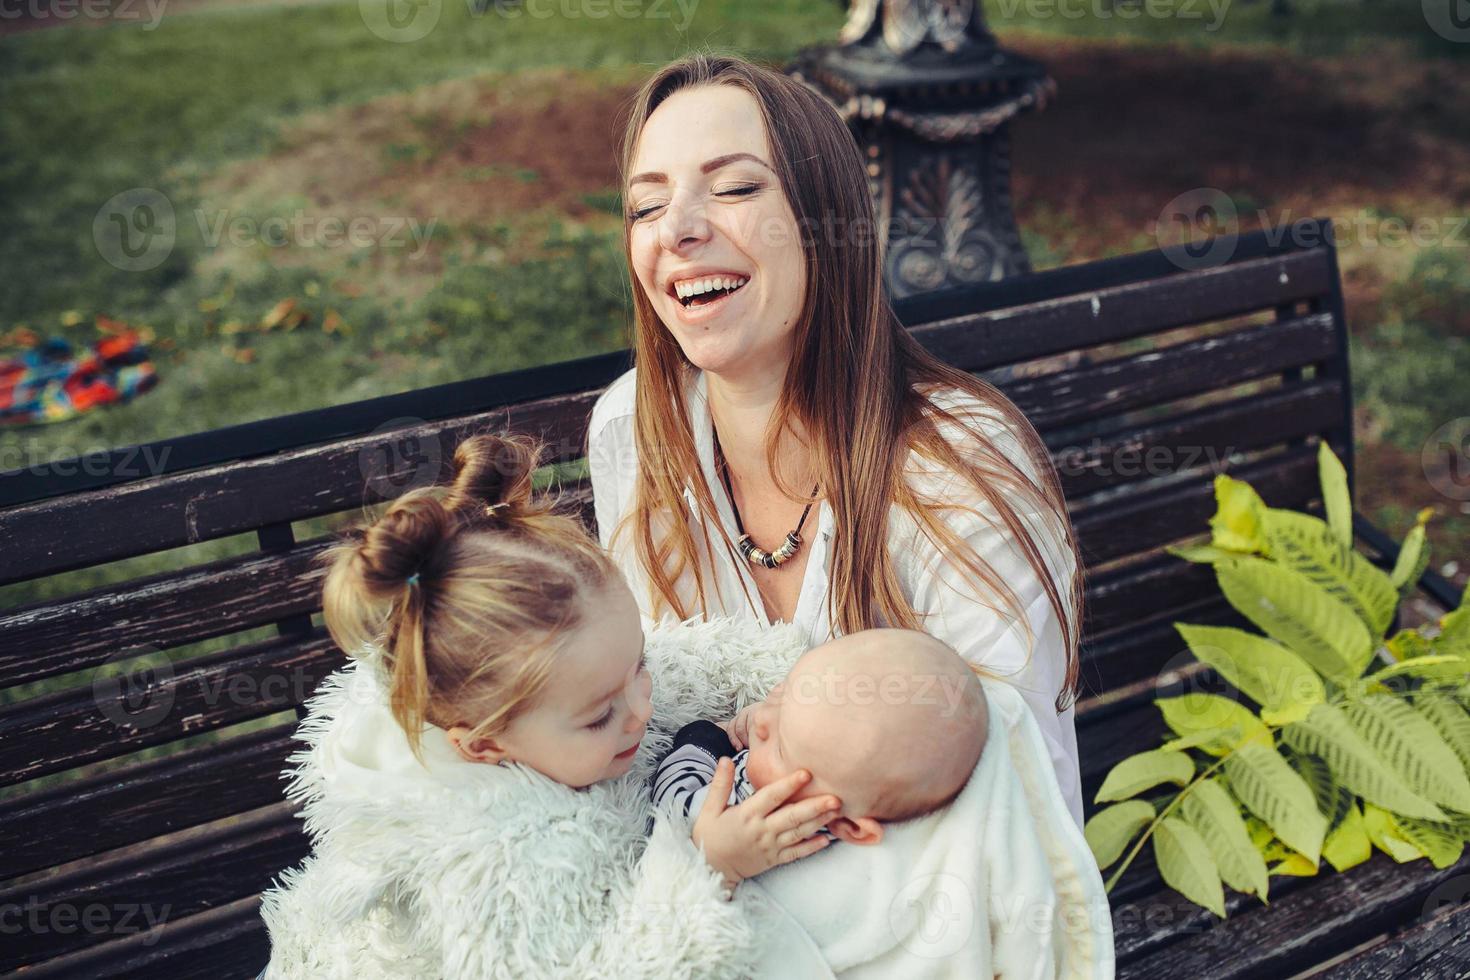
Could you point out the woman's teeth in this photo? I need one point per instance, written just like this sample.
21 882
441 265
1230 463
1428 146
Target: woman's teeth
696 292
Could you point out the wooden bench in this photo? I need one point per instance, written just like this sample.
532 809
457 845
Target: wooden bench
115 865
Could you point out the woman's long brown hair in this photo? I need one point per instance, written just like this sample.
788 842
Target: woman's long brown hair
858 383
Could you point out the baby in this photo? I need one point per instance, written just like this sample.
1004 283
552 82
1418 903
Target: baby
891 722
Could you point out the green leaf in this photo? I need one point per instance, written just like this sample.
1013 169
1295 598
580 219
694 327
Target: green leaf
1307 545
1112 829
1204 554
1203 739
1335 497
1441 842
1450 719
1333 799
1384 832
1437 668
1408 644
1273 791
1454 634
1329 733
1187 866
1295 611
1268 673
1237 524
1212 811
1145 771
1348 846
1413 555
1409 744
1192 713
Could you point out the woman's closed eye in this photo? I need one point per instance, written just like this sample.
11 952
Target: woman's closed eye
744 191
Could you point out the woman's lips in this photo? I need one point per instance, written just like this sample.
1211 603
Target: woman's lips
705 311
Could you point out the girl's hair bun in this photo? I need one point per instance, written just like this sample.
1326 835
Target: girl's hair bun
493 472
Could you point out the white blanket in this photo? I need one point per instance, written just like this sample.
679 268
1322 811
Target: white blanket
1001 883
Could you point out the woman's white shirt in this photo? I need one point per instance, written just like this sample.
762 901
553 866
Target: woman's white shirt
944 599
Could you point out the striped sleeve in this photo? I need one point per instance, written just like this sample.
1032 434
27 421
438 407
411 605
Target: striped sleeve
682 780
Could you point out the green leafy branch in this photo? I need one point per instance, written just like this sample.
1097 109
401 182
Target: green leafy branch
1357 740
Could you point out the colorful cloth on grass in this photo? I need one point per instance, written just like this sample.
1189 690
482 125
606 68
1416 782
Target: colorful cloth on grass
53 381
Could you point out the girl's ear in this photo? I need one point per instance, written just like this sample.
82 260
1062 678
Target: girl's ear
857 830
480 749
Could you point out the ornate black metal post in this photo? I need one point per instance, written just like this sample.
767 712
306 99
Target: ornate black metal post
928 94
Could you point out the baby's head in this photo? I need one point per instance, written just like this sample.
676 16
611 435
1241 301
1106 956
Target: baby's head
890 721
500 621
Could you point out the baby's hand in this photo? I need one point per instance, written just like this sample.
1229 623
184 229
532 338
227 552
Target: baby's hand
738 728
760 833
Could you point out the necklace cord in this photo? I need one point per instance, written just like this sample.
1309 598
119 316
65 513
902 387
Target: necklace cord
724 468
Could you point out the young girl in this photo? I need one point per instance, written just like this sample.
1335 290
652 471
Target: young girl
474 785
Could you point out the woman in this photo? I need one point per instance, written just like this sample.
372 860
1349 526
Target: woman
780 409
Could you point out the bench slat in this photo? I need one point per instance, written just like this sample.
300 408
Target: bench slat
979 341
1322 917
1153 377
1142 519
84 725
162 611
225 943
1202 437
149 799
171 511
166 881
1438 948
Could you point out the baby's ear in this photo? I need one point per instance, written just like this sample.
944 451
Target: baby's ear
857 830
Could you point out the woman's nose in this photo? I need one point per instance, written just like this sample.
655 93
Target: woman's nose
681 226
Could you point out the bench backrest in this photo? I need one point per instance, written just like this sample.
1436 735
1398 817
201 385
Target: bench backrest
144 722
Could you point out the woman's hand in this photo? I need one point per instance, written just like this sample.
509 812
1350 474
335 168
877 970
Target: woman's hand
760 833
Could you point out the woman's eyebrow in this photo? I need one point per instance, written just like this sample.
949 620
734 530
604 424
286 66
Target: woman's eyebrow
715 163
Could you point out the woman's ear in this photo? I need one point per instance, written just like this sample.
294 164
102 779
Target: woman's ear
857 830
480 749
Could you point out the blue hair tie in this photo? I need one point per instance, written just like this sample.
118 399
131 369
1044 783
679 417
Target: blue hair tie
413 579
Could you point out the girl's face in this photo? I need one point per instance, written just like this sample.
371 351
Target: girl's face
593 711
705 204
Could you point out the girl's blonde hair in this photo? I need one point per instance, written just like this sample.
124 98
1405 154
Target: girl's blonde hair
858 382
501 582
